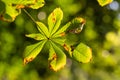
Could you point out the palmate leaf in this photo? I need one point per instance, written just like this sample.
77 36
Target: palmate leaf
34 4
82 53
13 7
54 20
37 4
54 37
32 51
36 36
57 58
104 2
22 2
11 13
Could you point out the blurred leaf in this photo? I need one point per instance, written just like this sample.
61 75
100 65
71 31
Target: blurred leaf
23 2
37 36
34 4
2 7
82 53
54 20
104 2
72 39
11 11
37 4
13 7
32 51
77 25
42 28
57 58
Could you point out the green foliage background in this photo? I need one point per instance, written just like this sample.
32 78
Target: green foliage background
101 32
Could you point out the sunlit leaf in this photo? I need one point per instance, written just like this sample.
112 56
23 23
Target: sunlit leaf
59 40
61 32
56 38
32 51
76 26
34 4
54 20
23 2
57 58
38 4
68 48
10 12
104 2
82 53
37 36
42 28
13 7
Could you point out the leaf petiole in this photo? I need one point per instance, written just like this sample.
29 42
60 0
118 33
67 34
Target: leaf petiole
30 16
33 21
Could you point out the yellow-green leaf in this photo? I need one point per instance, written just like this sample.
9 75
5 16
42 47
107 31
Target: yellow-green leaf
34 4
10 12
82 53
42 28
37 4
104 2
20 2
13 7
59 40
36 36
61 31
54 20
32 51
57 58
69 49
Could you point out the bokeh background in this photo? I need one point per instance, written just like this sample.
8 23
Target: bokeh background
101 32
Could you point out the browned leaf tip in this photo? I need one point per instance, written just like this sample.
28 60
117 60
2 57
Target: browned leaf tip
20 6
62 34
54 57
6 20
55 69
66 47
25 61
83 21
